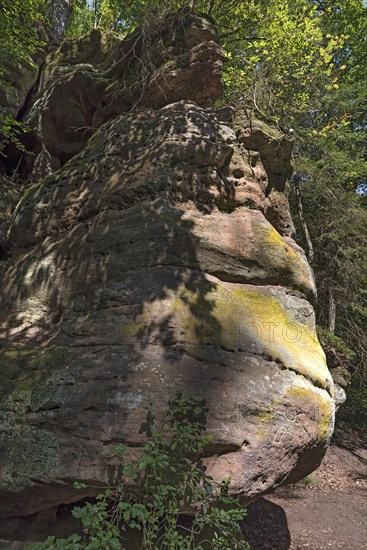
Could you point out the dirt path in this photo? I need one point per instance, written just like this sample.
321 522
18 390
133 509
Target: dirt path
330 513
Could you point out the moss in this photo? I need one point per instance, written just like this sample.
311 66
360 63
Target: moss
25 458
326 419
130 332
266 416
26 383
23 369
312 400
311 479
29 194
273 238
282 337
242 120
93 47
269 130
166 216
275 253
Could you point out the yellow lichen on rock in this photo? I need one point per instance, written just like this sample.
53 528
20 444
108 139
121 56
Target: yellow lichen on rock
255 320
271 239
282 256
324 407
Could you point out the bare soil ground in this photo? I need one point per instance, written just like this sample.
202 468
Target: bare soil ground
328 513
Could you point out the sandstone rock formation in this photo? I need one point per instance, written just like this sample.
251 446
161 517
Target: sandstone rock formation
88 81
18 82
159 257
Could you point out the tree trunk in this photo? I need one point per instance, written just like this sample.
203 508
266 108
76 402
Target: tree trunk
332 311
297 185
58 19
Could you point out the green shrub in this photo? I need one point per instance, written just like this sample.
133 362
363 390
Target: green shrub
149 493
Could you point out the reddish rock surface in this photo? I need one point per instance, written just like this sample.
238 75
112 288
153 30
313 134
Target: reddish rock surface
149 262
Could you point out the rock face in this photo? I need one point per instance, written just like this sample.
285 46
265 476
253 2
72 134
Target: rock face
20 76
93 79
18 81
159 257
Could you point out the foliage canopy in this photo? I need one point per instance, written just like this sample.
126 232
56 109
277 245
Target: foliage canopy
20 29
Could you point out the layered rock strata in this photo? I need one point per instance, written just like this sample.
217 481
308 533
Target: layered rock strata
160 257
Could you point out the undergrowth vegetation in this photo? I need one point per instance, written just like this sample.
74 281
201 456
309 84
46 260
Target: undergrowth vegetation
150 494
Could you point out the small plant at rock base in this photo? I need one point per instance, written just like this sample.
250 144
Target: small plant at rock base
150 493
309 480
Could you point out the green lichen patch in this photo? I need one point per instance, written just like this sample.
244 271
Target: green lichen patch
26 455
26 386
24 369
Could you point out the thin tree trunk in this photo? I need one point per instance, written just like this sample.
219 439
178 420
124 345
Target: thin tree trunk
95 14
332 311
306 233
58 19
